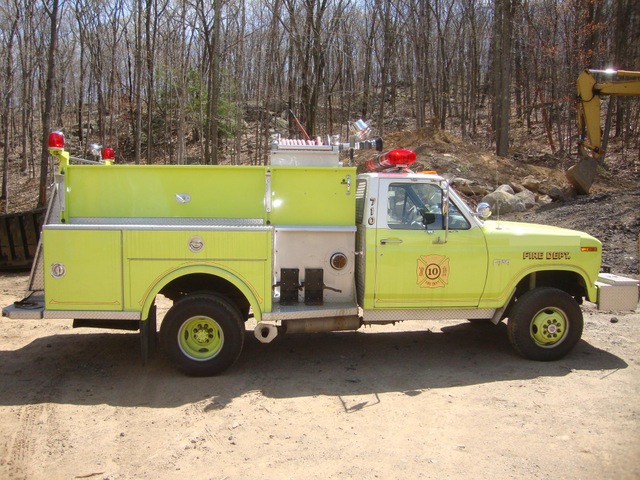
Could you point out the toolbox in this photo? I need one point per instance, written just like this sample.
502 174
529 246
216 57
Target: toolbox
617 293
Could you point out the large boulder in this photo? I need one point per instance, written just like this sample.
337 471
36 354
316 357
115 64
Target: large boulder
544 200
469 187
506 188
558 193
504 202
517 188
531 183
527 197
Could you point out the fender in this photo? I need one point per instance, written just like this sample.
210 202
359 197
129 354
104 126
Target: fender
506 291
241 284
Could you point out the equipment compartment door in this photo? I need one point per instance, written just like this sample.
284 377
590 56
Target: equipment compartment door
418 267
83 269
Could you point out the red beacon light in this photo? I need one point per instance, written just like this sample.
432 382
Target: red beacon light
108 154
398 158
56 140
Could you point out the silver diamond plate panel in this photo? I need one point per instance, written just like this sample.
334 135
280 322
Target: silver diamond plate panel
15 313
374 316
360 263
36 280
301 311
617 297
92 315
316 228
128 223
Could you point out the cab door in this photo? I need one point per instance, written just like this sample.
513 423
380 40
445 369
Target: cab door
417 265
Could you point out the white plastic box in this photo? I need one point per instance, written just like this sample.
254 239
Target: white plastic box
616 293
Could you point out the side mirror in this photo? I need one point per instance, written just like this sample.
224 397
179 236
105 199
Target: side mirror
483 210
427 217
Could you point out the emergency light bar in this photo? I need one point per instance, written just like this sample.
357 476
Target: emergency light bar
399 158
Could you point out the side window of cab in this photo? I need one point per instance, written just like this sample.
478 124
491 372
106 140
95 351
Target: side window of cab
456 219
418 206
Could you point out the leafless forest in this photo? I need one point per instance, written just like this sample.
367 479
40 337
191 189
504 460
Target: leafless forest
182 81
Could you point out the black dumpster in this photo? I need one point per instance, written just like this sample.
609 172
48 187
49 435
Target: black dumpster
19 235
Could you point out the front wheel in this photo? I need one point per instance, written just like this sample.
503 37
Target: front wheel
202 334
545 324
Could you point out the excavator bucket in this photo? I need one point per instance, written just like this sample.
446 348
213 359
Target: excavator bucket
583 174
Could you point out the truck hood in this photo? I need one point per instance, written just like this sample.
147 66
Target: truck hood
528 247
527 231
539 246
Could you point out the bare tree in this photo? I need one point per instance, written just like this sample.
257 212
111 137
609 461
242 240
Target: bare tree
6 107
52 12
501 69
28 67
137 81
210 21
370 32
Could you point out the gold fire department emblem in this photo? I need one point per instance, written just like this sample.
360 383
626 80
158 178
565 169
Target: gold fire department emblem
432 271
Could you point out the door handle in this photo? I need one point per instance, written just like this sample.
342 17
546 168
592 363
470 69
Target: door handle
386 241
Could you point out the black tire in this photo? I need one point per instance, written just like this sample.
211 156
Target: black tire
545 324
202 334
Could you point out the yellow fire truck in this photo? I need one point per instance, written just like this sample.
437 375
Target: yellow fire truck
301 245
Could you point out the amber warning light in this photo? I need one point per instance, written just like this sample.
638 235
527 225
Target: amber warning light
56 141
398 158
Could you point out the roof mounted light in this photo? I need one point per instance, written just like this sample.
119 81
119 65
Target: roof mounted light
108 154
398 158
56 140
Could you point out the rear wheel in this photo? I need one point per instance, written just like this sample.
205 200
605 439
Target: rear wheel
202 334
545 324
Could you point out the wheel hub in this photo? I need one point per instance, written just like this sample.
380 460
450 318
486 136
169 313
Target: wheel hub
202 334
549 327
201 338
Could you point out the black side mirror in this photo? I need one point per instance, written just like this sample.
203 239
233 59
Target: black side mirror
427 217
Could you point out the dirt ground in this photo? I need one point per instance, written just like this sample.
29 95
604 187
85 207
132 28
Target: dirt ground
418 400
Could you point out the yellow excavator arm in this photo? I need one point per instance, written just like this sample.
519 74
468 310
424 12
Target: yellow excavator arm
589 92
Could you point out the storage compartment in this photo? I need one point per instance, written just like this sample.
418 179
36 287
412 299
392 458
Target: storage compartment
616 292
82 269
320 259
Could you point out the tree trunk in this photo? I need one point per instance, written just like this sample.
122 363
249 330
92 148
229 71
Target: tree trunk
215 80
48 102
240 78
150 47
137 84
181 128
6 112
502 37
368 61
